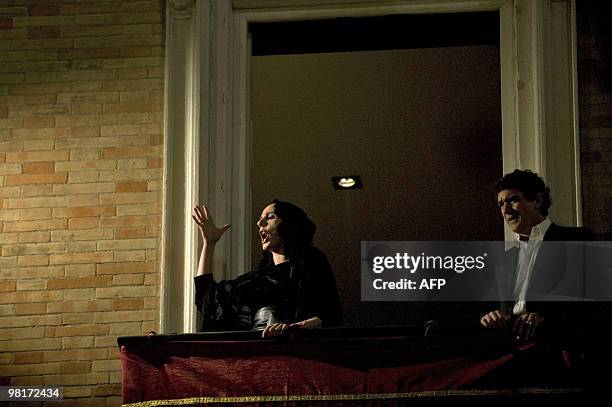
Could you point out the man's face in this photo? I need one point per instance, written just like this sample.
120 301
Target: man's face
520 214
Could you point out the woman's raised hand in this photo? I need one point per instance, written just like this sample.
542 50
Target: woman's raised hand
203 218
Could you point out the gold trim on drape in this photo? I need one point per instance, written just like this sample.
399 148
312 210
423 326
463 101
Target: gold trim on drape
349 397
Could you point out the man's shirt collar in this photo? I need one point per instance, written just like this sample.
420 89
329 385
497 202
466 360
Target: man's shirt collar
537 232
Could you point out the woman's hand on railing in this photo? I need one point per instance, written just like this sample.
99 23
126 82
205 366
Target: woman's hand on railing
282 329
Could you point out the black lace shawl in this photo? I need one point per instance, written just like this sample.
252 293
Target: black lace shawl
299 289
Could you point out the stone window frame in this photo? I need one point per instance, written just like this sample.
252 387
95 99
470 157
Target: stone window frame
207 124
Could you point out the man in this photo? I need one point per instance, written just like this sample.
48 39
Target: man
524 199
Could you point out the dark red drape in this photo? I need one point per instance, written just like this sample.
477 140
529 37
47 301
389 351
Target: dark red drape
337 371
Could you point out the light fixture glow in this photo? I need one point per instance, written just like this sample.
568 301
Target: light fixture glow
347 182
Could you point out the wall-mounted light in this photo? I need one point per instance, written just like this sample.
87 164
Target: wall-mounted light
347 182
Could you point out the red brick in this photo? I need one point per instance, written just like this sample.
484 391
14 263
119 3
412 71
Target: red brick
129 152
6 23
127 268
39 155
44 10
38 167
84 211
130 233
107 390
79 306
128 303
28 357
79 330
123 221
156 139
153 231
39 121
40 100
43 32
79 282
59 178
155 163
36 308
83 223
132 186
75 354
90 53
7 286
133 74
75 367
81 258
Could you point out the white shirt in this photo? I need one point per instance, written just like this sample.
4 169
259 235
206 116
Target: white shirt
528 253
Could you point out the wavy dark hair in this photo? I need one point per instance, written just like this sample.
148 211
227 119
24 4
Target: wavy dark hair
529 183
296 229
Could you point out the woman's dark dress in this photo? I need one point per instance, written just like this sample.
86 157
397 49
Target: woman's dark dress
302 288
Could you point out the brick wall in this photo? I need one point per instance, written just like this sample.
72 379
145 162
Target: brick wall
595 101
81 101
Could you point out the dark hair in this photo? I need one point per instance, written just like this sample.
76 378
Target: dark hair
529 183
296 229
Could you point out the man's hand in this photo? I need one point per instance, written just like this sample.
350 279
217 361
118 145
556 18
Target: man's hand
495 319
526 325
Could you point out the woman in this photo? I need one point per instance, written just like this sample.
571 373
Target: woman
293 286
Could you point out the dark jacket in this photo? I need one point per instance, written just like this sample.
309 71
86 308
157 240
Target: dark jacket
297 290
556 288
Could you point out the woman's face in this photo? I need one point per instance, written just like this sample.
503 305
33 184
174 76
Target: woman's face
268 230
